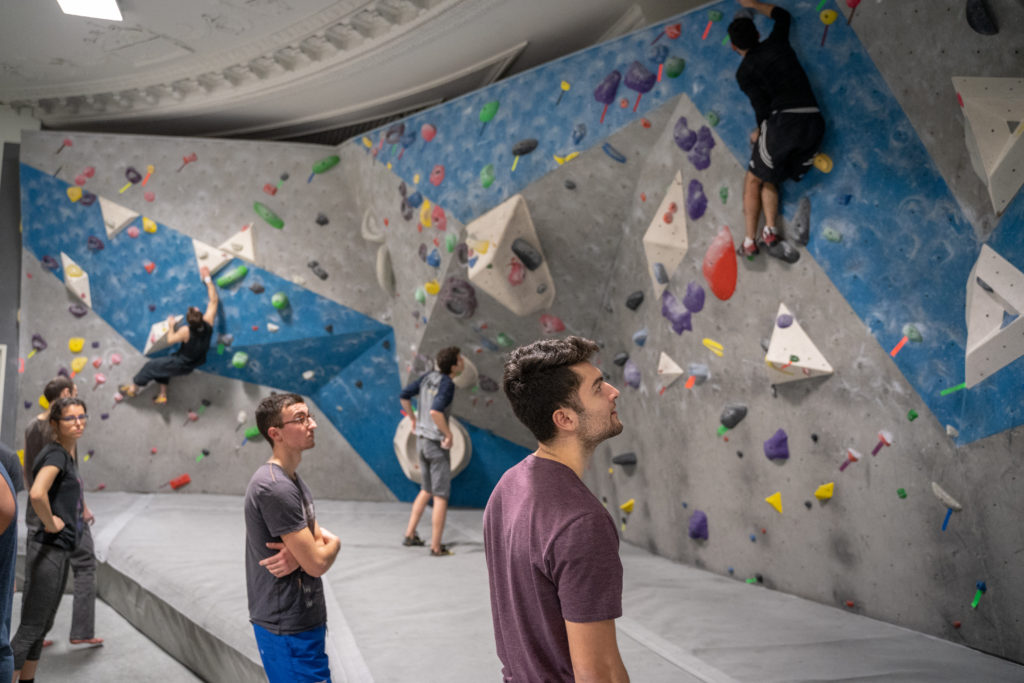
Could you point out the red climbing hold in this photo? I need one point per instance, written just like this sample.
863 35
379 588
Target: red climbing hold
720 265
149 266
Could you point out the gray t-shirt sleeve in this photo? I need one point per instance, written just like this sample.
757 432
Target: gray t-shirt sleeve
585 567
282 507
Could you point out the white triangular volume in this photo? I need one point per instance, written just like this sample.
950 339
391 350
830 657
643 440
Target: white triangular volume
990 346
668 370
157 339
993 111
211 257
789 342
76 279
666 242
241 245
115 217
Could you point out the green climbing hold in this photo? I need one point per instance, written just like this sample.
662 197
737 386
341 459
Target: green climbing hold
794 359
487 175
488 111
715 15
269 216
252 432
228 279
713 118
239 359
833 235
724 194
220 349
421 295
911 332
279 301
674 66
902 493
450 242
505 340
911 415
326 163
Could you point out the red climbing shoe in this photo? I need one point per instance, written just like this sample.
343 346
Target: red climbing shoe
748 248
769 236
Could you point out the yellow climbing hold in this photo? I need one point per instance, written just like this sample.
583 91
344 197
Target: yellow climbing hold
149 225
74 193
78 364
775 500
823 162
713 346
627 507
611 470
825 491
389 165
479 246
75 344
73 270
416 179
567 157
43 402
367 142
21 456
432 287
425 213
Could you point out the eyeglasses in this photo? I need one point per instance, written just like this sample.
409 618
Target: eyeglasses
73 418
303 420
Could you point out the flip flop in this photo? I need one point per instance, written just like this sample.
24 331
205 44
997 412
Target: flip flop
127 389
160 400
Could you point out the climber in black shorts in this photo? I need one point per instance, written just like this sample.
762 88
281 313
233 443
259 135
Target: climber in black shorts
789 126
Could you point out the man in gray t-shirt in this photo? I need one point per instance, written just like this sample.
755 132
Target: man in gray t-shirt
286 596
552 550
435 390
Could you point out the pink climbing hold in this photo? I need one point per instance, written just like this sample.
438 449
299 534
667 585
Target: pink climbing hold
551 323
427 132
148 196
438 218
720 265
133 231
437 175
516 273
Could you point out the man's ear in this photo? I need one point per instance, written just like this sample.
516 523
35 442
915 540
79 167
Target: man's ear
565 418
273 433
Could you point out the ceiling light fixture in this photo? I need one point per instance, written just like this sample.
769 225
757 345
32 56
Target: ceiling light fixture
96 9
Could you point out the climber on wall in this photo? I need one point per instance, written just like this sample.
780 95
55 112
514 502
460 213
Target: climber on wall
195 342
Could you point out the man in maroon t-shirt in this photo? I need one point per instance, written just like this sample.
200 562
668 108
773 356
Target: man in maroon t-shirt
552 549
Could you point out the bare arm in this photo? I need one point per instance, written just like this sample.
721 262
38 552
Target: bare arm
762 7
315 554
211 292
8 508
40 499
595 652
176 336
442 423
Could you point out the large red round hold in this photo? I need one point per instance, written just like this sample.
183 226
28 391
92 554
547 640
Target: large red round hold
720 265
428 131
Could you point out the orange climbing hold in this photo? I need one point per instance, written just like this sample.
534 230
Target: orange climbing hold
720 265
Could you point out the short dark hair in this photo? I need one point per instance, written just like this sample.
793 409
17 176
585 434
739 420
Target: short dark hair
743 33
194 318
538 381
56 386
268 412
447 358
58 406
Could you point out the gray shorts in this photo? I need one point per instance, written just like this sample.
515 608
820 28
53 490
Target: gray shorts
435 467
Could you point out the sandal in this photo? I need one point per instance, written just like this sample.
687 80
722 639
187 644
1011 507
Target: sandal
160 400
442 552
128 390
412 540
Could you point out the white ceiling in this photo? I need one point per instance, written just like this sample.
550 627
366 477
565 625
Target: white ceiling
282 68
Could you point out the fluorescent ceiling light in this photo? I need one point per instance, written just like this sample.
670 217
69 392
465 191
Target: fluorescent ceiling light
96 9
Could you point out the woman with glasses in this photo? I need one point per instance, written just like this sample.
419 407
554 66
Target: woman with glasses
56 496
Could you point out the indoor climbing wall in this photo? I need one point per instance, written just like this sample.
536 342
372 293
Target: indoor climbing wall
806 422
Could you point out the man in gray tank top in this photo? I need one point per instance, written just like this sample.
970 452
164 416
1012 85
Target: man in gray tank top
435 390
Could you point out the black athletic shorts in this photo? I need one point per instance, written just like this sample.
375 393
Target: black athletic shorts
787 144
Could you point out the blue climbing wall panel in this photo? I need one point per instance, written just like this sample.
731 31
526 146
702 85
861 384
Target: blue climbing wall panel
906 248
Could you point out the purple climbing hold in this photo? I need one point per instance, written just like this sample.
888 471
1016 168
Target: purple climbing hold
784 320
694 298
104 416
28 405
675 312
657 53
631 374
696 200
94 243
38 343
78 310
777 447
640 78
607 88
699 525
700 155
393 135
422 252
49 263
683 136
88 199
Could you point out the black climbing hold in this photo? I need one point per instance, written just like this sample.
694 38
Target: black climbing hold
524 147
152 307
406 210
660 274
402 189
624 459
487 384
317 270
784 251
256 288
321 219
814 438
462 252
386 344
733 414
329 328
980 18
422 252
527 253
359 384
285 176
206 453
634 300
206 403
620 358
759 577
808 504
541 288
984 285
569 185
739 454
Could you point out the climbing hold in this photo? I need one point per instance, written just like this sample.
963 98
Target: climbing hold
674 66
777 446
660 274
775 500
631 374
239 359
851 456
719 266
148 225
911 415
627 507
271 327
436 175
640 337
321 219
420 295
825 491
279 301
551 323
800 229
94 243
699 525
579 131
78 364
624 459
569 184
733 414
823 162
74 193
487 176
149 266
524 147
326 163
634 300
504 340
459 297
78 310
713 346
75 344
902 493
432 287
527 253
620 358
487 384
696 200
885 438
675 312
784 320
980 18
317 270
613 153
232 277
656 53
694 297
434 258
911 332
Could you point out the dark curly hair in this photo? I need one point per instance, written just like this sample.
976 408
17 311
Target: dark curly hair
743 33
268 412
447 358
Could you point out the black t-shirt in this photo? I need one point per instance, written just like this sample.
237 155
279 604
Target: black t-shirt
65 495
194 350
771 75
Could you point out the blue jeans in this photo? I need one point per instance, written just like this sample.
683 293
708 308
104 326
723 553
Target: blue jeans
294 657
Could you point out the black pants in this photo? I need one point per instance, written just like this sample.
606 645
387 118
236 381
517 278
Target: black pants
49 572
161 370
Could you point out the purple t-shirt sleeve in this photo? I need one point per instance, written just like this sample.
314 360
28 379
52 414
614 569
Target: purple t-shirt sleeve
585 567
282 507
